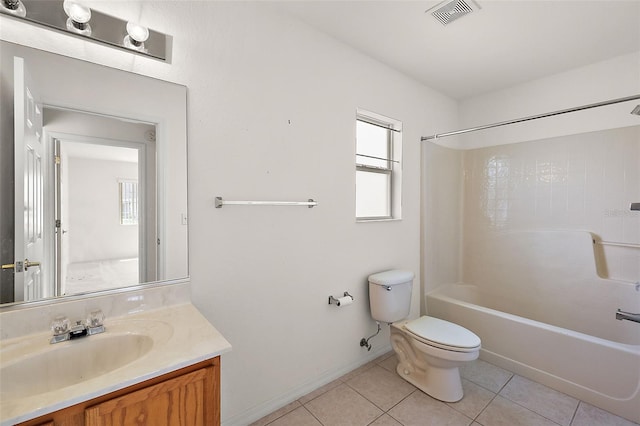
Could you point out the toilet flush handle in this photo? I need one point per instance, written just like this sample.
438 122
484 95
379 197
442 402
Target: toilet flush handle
388 287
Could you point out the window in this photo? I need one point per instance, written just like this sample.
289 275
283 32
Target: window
378 166
128 202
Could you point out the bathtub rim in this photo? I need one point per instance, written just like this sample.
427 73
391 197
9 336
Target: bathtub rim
440 293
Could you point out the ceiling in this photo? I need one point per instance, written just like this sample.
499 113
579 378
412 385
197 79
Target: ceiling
505 43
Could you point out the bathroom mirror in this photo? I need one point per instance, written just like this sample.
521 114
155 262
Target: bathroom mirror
93 172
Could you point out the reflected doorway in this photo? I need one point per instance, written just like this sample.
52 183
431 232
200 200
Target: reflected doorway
102 210
98 189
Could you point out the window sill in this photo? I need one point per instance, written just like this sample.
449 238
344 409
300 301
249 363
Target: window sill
386 219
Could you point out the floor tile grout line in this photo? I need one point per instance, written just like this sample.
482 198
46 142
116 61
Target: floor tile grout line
383 412
483 386
372 364
271 421
377 365
495 395
422 392
312 415
390 415
529 409
376 405
475 419
506 383
575 412
284 414
395 419
539 414
339 379
376 419
399 402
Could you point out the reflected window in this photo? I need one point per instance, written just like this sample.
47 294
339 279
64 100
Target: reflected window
128 202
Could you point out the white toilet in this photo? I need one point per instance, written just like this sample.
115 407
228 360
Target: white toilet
429 350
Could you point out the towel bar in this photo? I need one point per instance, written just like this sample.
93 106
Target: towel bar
310 203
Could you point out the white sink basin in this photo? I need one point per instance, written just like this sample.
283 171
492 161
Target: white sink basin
68 363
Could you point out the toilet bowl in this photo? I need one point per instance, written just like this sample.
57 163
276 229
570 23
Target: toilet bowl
430 351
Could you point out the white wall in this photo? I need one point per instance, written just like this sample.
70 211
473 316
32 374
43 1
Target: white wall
611 79
94 229
272 107
284 100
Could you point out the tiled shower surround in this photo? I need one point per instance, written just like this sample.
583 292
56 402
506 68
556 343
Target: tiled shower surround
578 182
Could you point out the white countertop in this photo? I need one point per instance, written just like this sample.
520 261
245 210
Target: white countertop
181 337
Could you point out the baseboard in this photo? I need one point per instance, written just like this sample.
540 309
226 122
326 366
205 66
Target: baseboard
259 411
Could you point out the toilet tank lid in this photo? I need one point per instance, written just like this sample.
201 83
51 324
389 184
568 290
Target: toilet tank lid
392 277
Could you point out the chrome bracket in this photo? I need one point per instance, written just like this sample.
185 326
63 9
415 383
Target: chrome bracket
622 315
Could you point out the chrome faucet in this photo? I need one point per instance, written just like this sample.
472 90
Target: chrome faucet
63 330
622 315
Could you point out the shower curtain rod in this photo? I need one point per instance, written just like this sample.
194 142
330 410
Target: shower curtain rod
533 117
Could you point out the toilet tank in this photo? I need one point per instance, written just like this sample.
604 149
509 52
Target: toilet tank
390 295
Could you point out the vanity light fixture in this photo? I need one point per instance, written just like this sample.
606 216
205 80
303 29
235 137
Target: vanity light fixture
79 17
74 18
136 36
13 7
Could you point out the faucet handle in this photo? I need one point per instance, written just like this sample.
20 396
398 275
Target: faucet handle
95 322
60 325
95 318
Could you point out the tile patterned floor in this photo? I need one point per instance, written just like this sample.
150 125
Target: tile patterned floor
375 395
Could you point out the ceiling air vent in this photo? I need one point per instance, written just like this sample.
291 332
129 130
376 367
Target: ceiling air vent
450 10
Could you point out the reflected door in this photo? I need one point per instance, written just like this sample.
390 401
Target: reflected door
29 202
101 191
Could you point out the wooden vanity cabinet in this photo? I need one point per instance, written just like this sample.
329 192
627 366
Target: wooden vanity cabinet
189 396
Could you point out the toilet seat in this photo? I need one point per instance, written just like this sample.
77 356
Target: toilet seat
443 334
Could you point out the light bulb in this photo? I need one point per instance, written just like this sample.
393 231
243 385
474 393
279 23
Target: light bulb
137 35
13 7
79 17
137 32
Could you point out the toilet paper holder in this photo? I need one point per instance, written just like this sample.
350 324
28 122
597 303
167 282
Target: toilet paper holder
333 300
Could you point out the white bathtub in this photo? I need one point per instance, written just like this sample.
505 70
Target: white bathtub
603 371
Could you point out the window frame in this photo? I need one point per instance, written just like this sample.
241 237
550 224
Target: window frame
121 201
393 168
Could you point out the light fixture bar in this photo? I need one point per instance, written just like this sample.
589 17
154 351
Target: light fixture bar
105 28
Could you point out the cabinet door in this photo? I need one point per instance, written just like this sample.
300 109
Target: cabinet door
178 401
